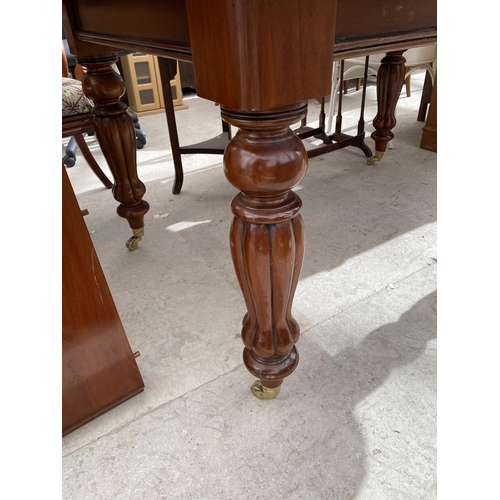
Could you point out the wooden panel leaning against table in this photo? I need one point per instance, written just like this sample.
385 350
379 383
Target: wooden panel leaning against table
261 61
99 369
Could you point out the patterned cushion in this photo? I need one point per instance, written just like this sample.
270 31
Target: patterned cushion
74 101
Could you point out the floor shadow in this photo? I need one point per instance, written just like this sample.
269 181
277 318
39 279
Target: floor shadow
330 389
220 443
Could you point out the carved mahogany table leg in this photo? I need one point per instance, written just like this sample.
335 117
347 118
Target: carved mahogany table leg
390 79
265 160
116 135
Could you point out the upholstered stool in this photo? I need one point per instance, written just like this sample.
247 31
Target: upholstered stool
74 101
77 120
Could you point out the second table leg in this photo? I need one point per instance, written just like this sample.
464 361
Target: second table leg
116 135
390 80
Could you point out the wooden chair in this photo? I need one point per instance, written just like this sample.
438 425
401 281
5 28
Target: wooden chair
77 119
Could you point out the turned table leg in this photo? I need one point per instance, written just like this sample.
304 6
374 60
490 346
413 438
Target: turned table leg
115 132
390 80
265 160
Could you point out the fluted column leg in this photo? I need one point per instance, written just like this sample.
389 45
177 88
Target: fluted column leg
390 80
265 160
116 135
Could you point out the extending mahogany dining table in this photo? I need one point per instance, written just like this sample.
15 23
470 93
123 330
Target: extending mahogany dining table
261 60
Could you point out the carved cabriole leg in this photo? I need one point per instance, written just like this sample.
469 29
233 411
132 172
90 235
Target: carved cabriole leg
390 79
116 135
265 160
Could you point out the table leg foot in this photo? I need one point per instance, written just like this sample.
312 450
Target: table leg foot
376 157
262 392
133 242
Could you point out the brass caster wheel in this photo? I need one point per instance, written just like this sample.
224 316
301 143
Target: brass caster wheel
133 242
376 157
261 392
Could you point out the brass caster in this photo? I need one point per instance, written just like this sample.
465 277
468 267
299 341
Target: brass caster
376 157
261 392
133 242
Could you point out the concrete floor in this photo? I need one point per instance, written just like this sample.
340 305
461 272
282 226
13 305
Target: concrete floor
357 420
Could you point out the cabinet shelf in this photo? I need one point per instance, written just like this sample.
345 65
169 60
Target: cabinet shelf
144 86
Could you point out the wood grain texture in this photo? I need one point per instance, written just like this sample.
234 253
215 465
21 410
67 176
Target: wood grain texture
256 55
390 80
115 132
368 27
265 160
429 131
99 370
162 27
260 60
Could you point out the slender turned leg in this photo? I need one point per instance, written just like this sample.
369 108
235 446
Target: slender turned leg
408 86
116 135
168 70
265 160
390 79
361 122
426 97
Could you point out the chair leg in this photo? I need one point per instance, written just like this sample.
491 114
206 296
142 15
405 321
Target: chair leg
408 86
426 97
71 147
69 159
167 72
333 95
91 161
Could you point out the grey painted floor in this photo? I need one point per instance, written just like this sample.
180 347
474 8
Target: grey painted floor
357 420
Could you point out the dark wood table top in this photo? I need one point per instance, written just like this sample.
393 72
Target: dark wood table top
253 39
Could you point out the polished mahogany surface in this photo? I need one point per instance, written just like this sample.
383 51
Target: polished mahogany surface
261 60
158 27
161 27
265 36
166 22
368 27
269 37
99 370
285 46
